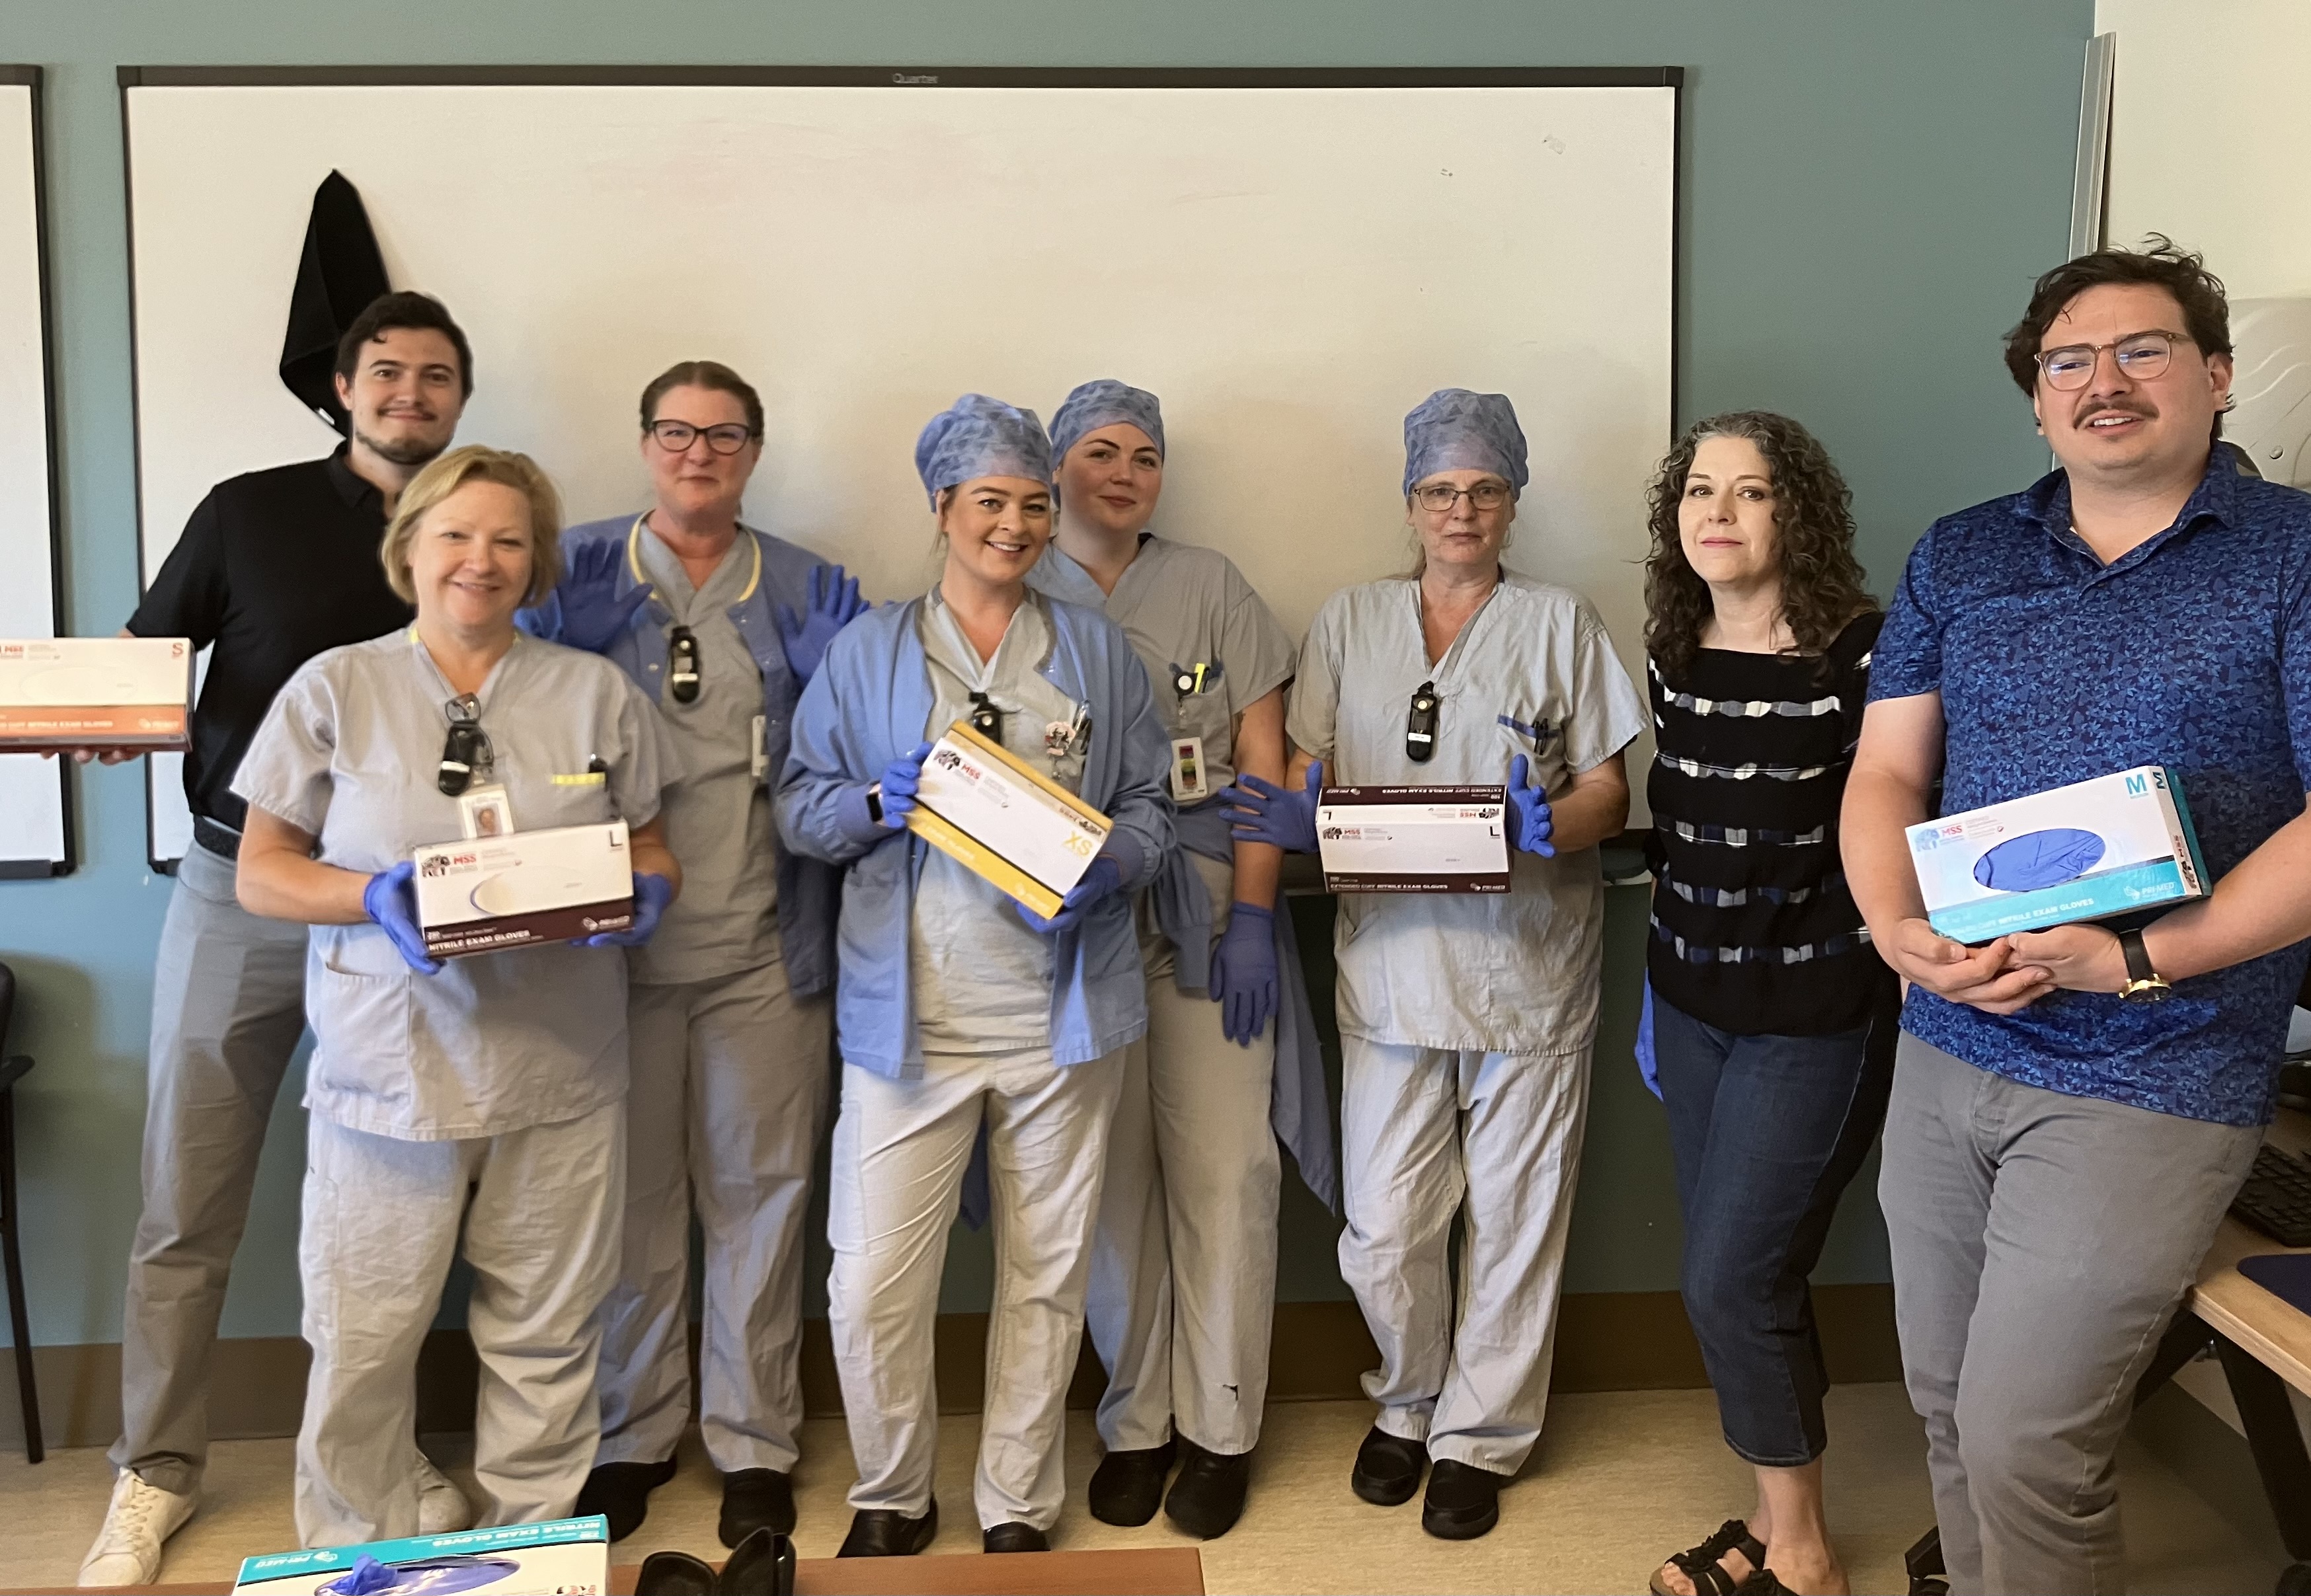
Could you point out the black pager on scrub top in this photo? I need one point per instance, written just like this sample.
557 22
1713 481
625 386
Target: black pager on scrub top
986 720
465 753
681 665
1420 724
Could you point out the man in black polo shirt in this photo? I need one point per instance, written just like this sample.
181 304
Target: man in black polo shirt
273 568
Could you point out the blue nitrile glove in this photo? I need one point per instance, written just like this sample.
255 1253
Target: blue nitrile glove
1104 876
832 603
1530 806
901 778
1648 1066
1243 973
593 615
652 893
1263 812
390 899
365 1577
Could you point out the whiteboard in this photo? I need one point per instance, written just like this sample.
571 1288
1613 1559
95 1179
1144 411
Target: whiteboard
1291 261
35 793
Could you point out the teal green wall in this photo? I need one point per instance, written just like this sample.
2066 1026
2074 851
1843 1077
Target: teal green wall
1869 188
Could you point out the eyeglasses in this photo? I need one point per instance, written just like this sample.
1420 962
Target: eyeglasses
466 753
2139 355
681 665
676 436
1439 497
1420 724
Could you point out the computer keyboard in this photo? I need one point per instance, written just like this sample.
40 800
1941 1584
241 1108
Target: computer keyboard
2276 1198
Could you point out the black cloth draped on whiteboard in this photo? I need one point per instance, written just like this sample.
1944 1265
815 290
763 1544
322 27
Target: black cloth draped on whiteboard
339 273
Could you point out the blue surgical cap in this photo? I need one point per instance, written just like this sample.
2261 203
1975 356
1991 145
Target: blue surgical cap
977 436
1104 403
1454 430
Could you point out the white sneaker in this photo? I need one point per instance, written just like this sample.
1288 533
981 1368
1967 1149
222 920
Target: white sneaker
127 1549
441 1507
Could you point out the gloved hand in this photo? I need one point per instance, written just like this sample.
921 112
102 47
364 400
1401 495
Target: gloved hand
1243 973
593 615
1529 808
652 893
902 778
832 603
1264 812
390 899
1648 1067
1104 876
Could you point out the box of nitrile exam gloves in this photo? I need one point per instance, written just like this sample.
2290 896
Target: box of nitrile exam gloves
1413 838
130 694
565 1558
2086 851
486 894
1006 821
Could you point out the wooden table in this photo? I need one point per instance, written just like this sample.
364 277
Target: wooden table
1149 1571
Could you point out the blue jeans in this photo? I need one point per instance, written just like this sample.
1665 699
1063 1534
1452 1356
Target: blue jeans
1766 1132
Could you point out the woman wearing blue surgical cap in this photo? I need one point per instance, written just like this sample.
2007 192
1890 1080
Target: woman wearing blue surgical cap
1182 1292
1465 1019
958 1008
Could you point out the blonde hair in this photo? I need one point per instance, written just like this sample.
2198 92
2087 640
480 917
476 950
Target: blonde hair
444 477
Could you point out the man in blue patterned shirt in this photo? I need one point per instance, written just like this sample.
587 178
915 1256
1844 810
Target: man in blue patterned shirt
2058 1155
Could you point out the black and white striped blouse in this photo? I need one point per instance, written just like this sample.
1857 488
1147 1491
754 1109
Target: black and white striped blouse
1754 931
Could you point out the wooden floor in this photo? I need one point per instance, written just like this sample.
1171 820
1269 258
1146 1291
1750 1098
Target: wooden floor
1620 1479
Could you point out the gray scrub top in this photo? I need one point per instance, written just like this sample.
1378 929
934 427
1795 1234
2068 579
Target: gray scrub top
718 821
981 975
495 1043
1532 673
1182 606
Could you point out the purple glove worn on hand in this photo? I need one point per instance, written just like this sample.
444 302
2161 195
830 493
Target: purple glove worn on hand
1243 973
1104 876
652 893
832 604
593 615
1529 809
390 900
903 778
1263 812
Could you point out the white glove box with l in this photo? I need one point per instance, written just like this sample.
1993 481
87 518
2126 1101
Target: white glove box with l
1414 838
2086 851
1004 820
485 894
130 694
561 1555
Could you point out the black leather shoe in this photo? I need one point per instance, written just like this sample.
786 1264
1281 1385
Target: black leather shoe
1128 1487
1207 1498
755 1499
674 1573
1388 1469
878 1532
761 1565
1016 1537
1463 1500
620 1492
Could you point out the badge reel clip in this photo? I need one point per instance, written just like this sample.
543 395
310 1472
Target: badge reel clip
482 810
1420 724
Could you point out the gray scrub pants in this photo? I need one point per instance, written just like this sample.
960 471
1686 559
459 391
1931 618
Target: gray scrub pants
539 1211
227 1007
730 1083
901 1148
1181 1303
1495 1138
2041 1242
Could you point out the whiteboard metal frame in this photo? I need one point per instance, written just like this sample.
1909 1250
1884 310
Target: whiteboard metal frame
1671 78
31 77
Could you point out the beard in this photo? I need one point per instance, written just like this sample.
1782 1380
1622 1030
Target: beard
401 452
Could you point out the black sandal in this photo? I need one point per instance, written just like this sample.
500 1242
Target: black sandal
1700 1565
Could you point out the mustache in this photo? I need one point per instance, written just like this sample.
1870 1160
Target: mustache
2113 407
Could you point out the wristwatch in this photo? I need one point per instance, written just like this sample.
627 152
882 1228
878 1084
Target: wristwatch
2144 984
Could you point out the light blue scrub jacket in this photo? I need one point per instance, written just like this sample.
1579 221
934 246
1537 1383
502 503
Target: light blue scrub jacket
807 887
869 703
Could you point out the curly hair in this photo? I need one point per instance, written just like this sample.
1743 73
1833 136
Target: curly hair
1822 584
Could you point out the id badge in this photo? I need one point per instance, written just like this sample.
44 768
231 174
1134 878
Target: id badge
1189 782
758 763
485 811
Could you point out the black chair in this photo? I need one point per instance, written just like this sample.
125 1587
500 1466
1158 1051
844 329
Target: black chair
11 1248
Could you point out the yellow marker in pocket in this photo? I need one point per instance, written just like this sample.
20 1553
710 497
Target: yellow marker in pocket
581 778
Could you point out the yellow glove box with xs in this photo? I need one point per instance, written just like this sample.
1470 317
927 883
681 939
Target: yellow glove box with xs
484 894
1004 820
130 694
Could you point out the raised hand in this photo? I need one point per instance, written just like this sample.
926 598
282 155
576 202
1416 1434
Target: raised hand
830 604
1263 812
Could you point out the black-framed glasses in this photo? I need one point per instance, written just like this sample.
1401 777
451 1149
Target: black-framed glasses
682 676
2141 356
1420 724
726 438
1438 497
466 753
